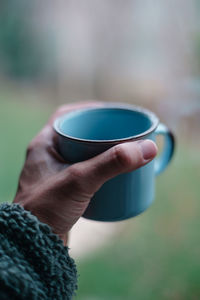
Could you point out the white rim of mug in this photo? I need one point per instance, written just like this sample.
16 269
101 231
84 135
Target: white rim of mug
153 118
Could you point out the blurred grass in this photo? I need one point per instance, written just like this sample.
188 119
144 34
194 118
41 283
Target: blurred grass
157 255
21 117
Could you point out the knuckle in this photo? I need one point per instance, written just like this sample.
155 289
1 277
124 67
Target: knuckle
76 178
79 181
30 148
36 143
127 160
75 173
120 156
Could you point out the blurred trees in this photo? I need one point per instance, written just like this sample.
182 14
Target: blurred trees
134 49
21 50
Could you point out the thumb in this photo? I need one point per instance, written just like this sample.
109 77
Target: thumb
119 159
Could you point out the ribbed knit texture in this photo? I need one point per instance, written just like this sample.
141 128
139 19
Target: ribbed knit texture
34 264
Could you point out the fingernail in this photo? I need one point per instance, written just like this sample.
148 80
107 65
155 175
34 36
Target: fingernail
148 148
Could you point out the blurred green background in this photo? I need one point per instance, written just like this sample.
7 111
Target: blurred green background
141 52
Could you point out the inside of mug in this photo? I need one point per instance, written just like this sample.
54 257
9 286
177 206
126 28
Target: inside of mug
105 124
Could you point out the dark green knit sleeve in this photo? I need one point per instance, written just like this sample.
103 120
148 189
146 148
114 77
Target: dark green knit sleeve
34 264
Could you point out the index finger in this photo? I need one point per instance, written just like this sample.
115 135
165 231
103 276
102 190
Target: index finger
66 108
47 135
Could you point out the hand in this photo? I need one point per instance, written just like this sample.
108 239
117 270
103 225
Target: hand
59 193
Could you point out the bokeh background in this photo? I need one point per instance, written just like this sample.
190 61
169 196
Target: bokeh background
145 52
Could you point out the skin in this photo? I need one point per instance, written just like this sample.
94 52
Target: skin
58 193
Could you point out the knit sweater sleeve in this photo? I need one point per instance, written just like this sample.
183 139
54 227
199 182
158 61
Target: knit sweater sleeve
34 264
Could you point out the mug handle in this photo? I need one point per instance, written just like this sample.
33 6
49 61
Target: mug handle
169 145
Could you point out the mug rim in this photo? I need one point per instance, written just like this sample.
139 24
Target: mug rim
146 112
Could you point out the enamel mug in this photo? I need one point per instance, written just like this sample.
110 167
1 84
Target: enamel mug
85 133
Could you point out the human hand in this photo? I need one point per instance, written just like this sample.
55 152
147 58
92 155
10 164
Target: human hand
59 193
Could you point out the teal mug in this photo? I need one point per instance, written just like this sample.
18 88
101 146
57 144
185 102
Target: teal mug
85 133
